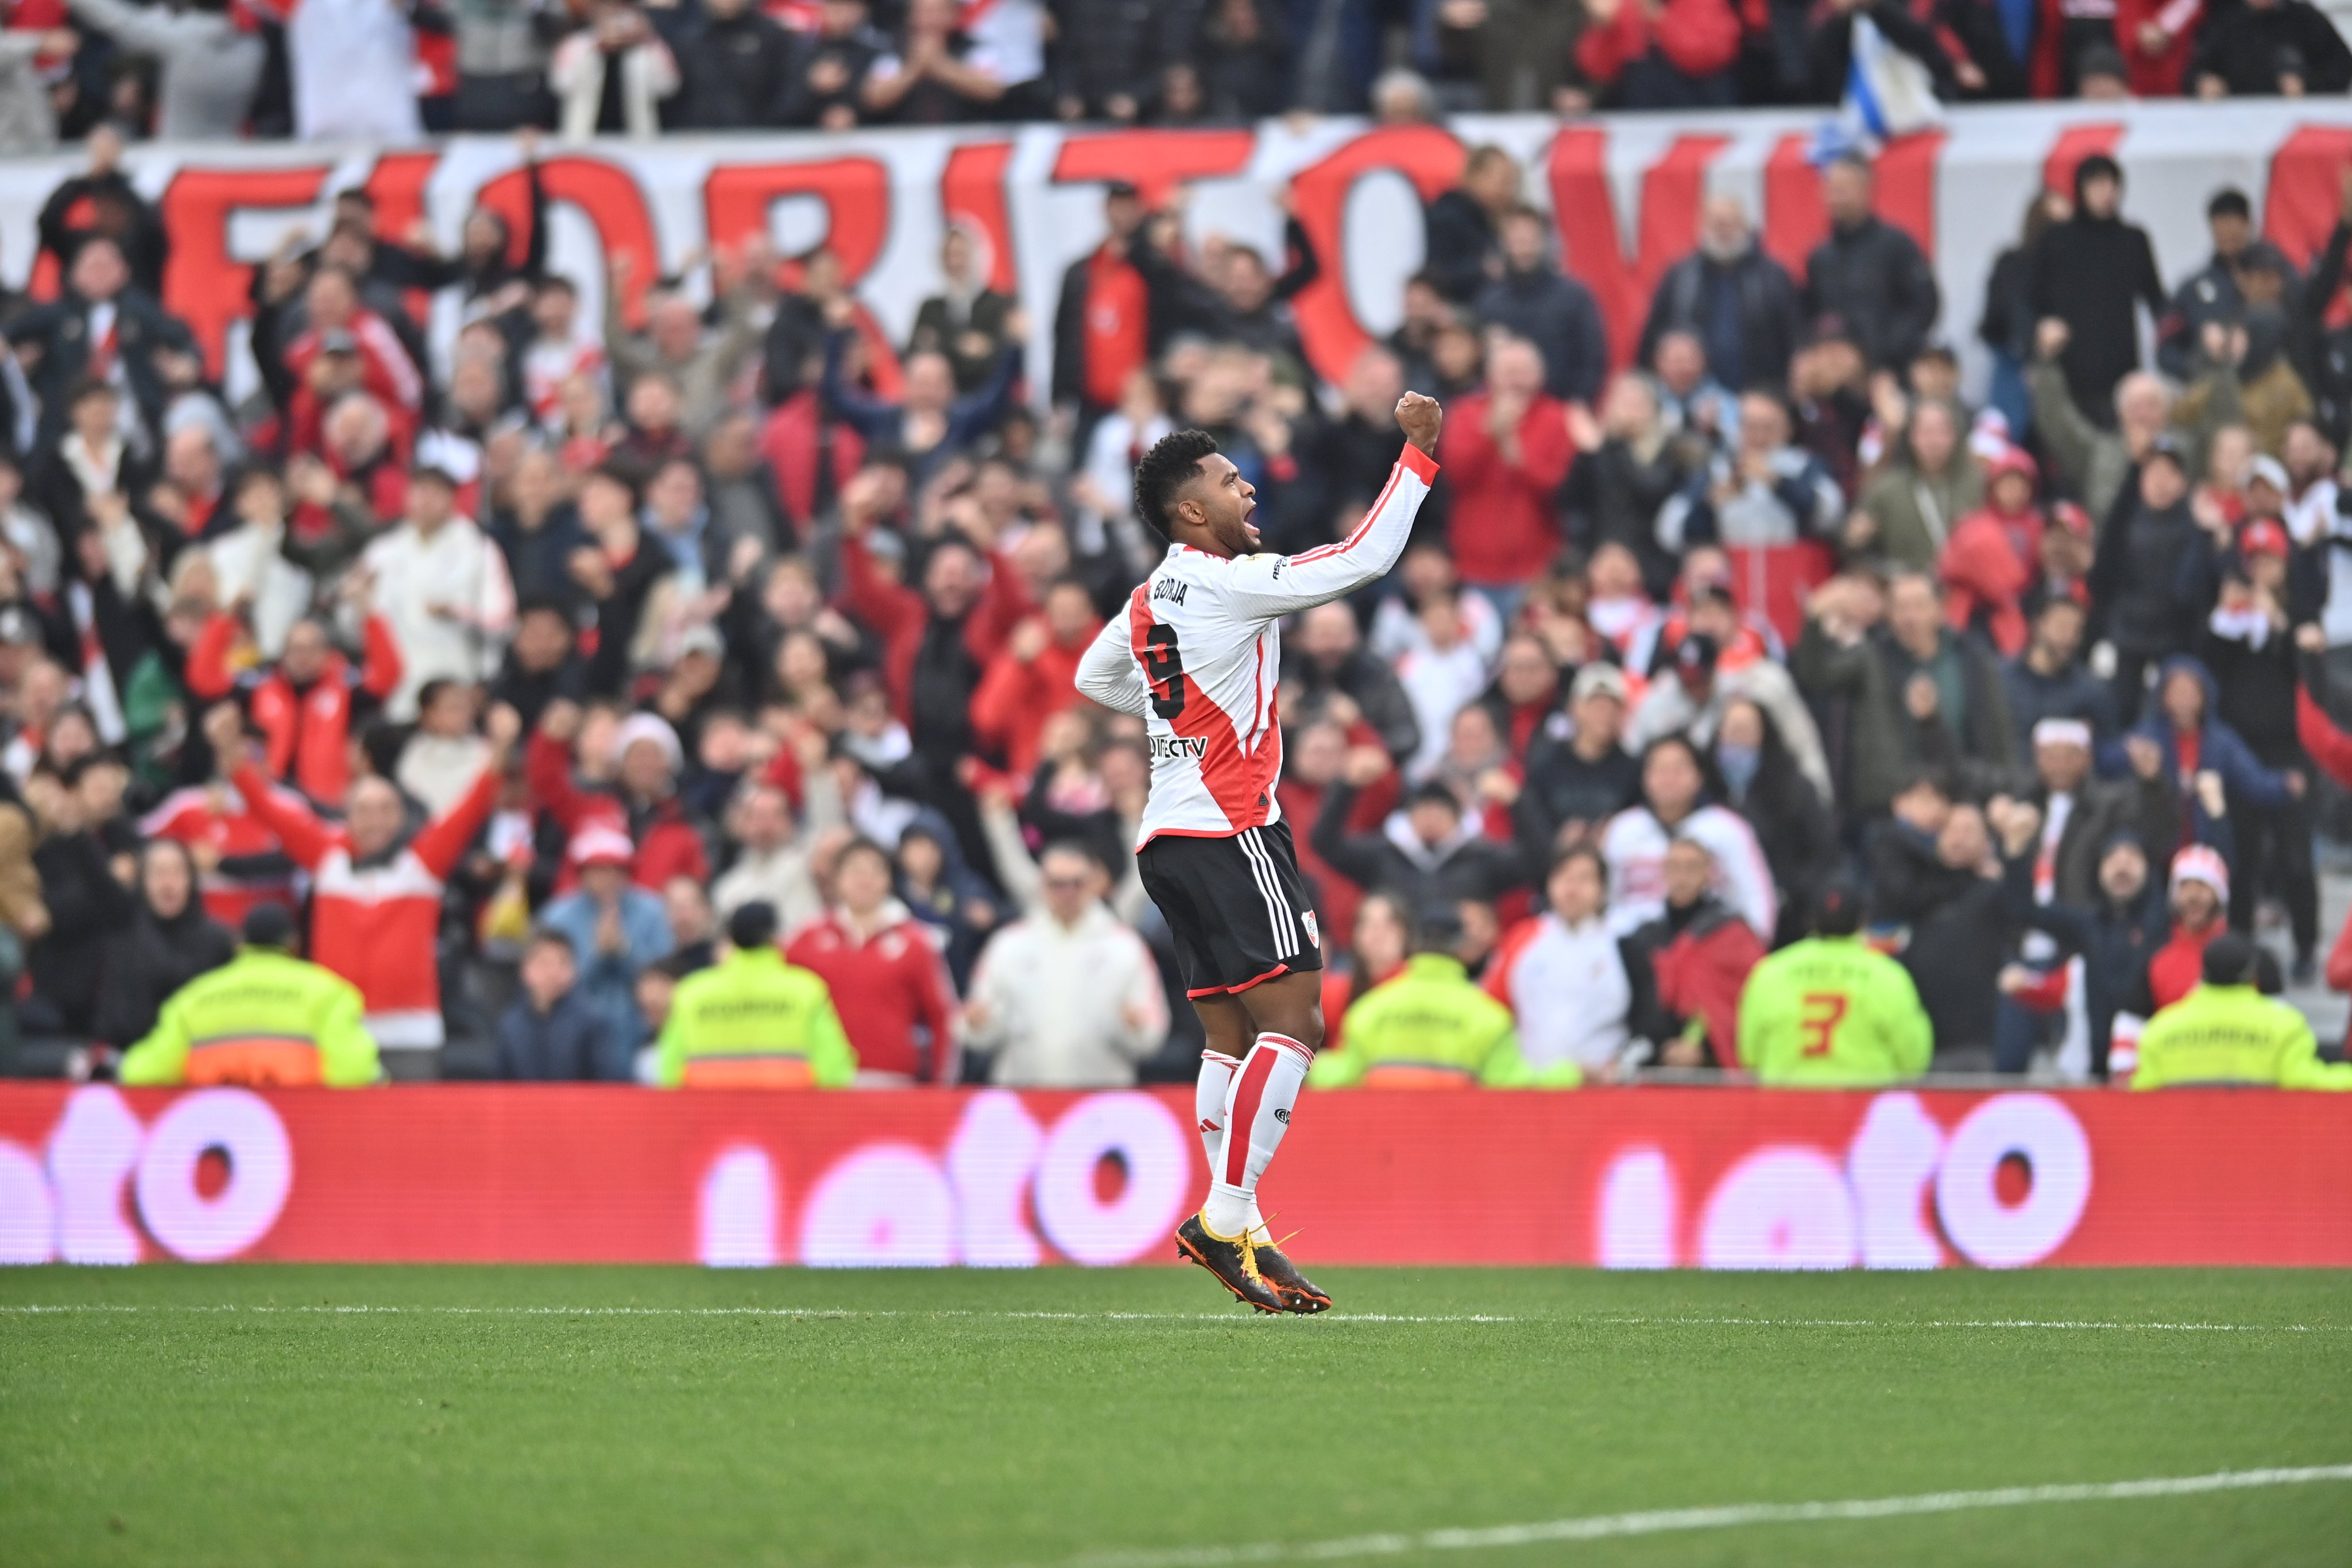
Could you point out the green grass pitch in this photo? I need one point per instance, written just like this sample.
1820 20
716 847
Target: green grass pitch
932 1420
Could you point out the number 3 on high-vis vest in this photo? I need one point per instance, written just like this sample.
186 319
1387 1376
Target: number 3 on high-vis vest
1817 1017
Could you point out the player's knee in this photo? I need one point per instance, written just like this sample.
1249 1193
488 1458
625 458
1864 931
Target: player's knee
1309 1031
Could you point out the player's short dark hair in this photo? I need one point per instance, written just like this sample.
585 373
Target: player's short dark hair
752 924
1174 461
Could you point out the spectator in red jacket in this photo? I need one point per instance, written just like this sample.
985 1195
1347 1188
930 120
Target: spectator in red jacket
1033 676
1505 450
1661 54
1994 553
889 983
376 902
1700 950
643 802
337 322
306 704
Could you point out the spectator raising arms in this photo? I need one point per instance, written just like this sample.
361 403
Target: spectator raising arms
376 901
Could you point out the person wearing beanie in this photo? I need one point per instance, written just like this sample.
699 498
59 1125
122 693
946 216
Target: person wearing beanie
616 927
2227 1032
267 1019
2199 894
1829 1012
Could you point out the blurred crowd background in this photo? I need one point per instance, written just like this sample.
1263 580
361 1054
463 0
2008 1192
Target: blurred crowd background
511 665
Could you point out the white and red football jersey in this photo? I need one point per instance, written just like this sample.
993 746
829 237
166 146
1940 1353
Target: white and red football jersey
1199 654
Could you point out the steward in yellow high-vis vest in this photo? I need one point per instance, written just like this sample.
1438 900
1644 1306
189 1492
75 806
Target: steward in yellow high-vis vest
1828 1013
2227 1032
754 1022
264 1019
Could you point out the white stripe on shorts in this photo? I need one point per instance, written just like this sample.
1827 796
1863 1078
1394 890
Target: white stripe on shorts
1278 910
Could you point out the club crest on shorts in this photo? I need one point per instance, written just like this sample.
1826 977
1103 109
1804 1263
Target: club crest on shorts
1314 937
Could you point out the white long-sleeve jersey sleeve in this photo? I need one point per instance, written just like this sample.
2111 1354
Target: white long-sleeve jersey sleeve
1277 585
1109 675
1199 655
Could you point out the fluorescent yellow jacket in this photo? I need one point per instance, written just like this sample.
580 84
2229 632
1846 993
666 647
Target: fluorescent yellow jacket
263 1018
1430 1027
754 1022
2234 1034
1828 1013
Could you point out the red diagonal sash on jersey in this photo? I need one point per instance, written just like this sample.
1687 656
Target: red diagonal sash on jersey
1239 783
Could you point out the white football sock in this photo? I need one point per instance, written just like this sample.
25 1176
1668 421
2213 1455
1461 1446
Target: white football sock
1210 1092
1257 1111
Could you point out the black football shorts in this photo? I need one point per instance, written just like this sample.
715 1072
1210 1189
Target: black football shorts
1236 906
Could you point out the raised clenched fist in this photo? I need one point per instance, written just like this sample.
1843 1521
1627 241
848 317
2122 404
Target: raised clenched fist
1420 418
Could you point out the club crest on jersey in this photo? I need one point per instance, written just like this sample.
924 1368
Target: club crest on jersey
1174 746
1314 937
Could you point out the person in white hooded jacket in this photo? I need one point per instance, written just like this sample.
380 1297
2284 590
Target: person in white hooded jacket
1675 805
1579 991
1068 998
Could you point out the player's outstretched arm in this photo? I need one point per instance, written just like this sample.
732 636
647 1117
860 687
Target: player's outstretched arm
1283 585
1108 674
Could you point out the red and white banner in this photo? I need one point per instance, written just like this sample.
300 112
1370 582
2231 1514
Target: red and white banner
1645 1177
1626 191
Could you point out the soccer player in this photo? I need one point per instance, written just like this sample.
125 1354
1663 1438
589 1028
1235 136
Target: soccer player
1198 654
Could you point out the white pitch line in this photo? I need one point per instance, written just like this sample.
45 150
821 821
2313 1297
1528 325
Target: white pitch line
843 1313
1595 1527
1966 1324
1618 1321
807 1313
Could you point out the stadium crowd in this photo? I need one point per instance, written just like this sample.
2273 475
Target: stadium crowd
516 672
390 70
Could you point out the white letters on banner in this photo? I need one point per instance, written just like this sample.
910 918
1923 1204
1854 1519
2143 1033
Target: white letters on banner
1624 190
892 1205
2042 1134
735 1211
886 1206
989 1161
1792 1206
249 1136
70 1208
1638 1205
1154 1158
1103 1184
29 1218
1781 1208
